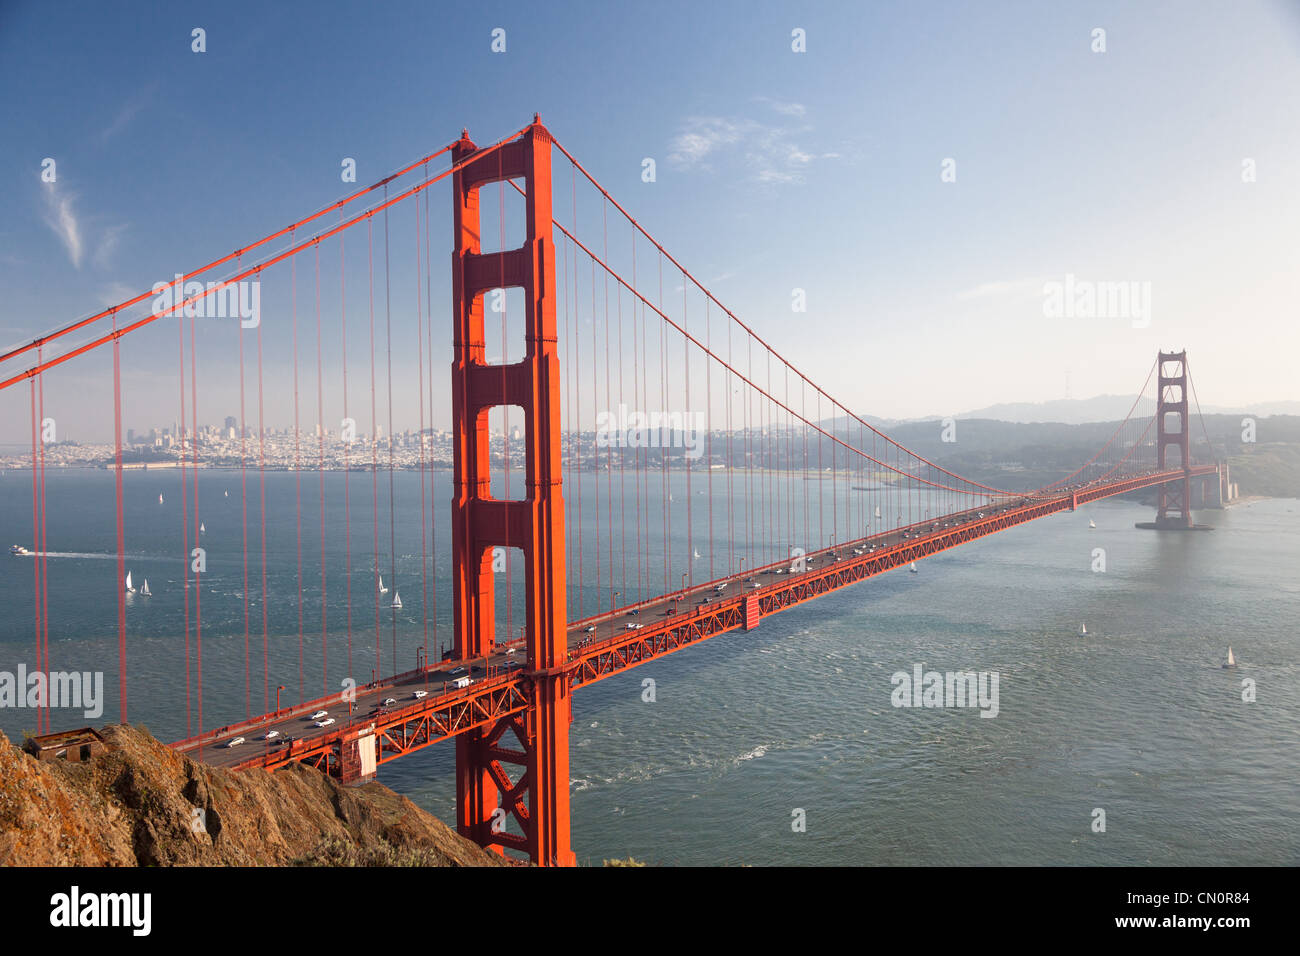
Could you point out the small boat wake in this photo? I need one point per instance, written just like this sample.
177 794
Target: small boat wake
94 557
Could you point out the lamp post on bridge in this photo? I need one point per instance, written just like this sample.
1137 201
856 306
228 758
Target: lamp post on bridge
277 699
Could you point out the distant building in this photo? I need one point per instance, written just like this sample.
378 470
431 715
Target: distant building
74 745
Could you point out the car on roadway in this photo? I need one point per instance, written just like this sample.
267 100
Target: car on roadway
389 701
420 693
635 626
271 735
458 670
236 742
591 629
319 714
325 723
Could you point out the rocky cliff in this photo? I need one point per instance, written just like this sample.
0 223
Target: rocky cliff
142 804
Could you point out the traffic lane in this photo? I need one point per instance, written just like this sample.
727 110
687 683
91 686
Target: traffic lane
619 624
435 683
369 700
693 597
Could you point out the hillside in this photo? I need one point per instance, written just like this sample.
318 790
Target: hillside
135 806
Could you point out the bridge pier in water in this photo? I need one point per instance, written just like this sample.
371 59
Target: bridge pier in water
538 795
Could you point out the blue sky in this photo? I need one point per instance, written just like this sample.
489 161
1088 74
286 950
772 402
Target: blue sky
776 170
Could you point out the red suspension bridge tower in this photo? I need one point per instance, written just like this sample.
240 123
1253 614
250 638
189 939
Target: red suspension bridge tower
538 796
1175 509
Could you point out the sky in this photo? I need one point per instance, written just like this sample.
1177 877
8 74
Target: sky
926 173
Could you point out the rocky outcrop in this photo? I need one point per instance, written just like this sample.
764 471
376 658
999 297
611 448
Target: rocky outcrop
143 804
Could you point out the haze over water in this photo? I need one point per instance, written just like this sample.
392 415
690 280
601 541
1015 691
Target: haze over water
1136 718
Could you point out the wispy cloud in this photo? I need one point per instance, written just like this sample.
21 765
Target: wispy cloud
115 292
771 151
77 233
106 246
127 113
785 109
701 136
61 217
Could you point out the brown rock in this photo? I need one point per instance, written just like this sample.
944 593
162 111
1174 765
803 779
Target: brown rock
143 804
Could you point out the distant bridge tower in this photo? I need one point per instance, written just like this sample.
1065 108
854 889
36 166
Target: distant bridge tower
1175 508
538 795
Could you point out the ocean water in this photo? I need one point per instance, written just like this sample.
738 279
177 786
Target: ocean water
752 732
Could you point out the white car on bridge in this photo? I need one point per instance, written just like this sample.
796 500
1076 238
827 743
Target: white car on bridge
325 723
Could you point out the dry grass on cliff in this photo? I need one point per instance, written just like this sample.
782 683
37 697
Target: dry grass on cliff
136 806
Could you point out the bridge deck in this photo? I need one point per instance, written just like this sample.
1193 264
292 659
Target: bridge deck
607 644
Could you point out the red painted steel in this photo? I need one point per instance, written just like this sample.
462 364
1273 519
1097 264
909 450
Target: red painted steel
535 525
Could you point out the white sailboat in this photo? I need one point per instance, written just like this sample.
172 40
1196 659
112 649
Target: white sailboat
382 588
877 514
129 589
227 494
1232 661
145 590
160 498
912 567
696 555
1091 523
397 600
1083 629
203 529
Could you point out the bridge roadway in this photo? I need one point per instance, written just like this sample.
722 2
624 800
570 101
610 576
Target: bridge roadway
421 707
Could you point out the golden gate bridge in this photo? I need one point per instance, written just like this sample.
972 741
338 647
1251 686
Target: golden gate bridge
633 546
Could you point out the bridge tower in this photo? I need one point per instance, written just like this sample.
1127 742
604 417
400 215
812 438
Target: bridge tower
1175 507
538 796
